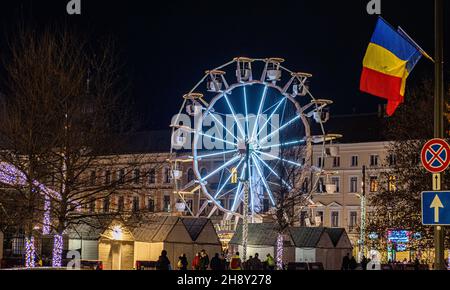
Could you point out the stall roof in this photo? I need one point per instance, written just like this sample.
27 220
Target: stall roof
90 229
306 237
264 234
335 234
195 226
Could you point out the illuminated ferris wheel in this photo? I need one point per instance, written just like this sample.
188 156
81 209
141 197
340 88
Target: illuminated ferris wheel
232 139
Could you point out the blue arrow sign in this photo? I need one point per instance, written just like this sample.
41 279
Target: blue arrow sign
436 208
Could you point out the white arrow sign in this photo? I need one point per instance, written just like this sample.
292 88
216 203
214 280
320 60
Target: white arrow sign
436 204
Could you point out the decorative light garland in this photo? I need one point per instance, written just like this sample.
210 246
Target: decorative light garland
30 253
47 221
57 251
280 246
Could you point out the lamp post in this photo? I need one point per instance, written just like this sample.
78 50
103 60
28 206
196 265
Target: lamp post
362 233
438 116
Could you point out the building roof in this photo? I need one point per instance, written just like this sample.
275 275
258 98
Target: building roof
146 142
359 128
195 226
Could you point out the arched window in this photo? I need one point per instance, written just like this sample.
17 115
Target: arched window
190 175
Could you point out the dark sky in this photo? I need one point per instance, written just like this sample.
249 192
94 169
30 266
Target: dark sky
167 46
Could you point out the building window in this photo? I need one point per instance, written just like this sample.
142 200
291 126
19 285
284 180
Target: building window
190 175
335 219
392 186
190 202
203 172
166 203
137 176
121 204
374 160
106 203
336 162
336 181
151 204
392 160
305 185
320 185
121 176
92 206
107 177
354 162
353 220
320 162
354 185
167 175
266 205
93 178
373 184
303 217
319 218
136 205
152 176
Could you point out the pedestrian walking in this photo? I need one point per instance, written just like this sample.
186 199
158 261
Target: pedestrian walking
216 264
270 261
364 263
163 262
204 260
352 265
196 262
182 263
346 262
257 264
236 263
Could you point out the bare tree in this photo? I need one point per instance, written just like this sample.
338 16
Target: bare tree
397 203
290 188
65 121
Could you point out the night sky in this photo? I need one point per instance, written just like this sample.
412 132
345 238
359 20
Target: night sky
167 46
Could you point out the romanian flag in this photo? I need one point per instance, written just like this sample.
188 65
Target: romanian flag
390 58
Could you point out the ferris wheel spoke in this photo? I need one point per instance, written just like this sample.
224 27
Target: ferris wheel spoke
230 162
259 170
246 112
223 126
217 154
273 172
265 139
227 180
278 158
227 192
271 116
218 139
283 144
261 106
238 124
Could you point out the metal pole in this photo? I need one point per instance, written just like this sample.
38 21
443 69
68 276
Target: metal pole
245 209
362 233
438 115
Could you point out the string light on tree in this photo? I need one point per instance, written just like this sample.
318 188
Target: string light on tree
30 252
57 251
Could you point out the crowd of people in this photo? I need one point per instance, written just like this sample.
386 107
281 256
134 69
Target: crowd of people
220 262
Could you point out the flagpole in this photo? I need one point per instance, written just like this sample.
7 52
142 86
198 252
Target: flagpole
421 50
439 231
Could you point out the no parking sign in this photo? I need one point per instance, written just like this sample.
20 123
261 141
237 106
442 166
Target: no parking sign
435 155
